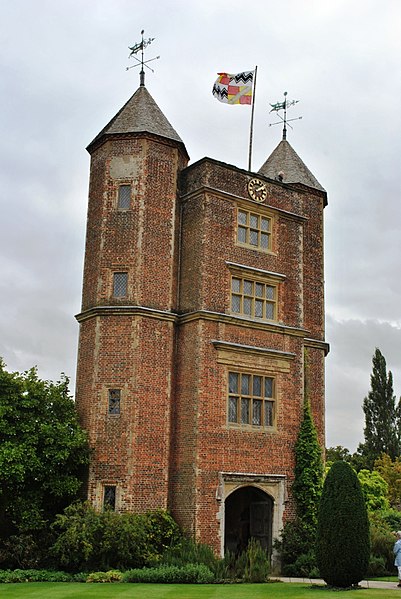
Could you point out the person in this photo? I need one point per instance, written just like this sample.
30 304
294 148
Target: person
397 555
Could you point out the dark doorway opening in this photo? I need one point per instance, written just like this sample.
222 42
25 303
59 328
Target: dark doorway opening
248 513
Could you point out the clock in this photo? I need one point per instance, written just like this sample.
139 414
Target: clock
257 190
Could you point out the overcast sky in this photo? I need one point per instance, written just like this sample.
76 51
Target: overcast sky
63 77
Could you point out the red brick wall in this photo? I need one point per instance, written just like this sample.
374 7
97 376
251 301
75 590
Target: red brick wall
201 428
143 240
130 351
211 192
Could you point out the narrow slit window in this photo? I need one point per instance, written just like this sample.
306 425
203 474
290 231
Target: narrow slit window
109 498
114 401
124 197
120 284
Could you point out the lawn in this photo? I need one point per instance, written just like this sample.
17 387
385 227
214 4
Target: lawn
44 590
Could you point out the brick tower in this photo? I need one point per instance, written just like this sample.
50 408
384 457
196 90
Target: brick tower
201 330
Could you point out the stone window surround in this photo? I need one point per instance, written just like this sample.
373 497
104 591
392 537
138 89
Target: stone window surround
257 229
256 275
266 402
254 360
104 487
254 298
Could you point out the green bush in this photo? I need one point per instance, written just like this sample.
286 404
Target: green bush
92 541
110 576
308 474
78 531
257 563
374 489
224 569
231 567
161 530
24 551
9 576
188 551
299 536
238 567
392 517
297 540
79 577
377 566
343 543
381 544
305 565
189 574
252 565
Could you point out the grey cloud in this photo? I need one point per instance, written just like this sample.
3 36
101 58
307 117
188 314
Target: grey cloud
63 78
348 370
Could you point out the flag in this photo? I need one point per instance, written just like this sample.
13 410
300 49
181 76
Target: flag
234 89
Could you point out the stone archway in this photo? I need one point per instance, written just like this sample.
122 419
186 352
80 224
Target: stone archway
248 513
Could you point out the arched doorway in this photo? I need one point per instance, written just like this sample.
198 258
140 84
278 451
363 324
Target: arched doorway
248 513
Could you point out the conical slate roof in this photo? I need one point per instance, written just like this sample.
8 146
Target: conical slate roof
140 114
285 164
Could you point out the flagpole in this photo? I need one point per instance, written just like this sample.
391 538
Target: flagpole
251 128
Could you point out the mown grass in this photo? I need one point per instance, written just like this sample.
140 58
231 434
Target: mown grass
44 590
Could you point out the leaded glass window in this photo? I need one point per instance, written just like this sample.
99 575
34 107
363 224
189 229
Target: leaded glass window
109 497
120 284
114 401
253 230
233 409
254 299
245 411
251 400
269 413
257 412
124 197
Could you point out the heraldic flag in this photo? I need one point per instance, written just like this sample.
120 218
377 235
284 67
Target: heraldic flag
234 89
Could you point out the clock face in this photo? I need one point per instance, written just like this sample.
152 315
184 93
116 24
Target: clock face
257 190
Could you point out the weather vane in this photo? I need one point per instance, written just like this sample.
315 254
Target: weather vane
140 47
283 106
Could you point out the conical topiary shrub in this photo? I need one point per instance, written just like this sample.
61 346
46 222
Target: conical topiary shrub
343 545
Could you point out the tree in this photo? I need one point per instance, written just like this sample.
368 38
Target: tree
356 460
42 451
343 543
390 470
308 474
374 489
333 454
298 537
382 415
